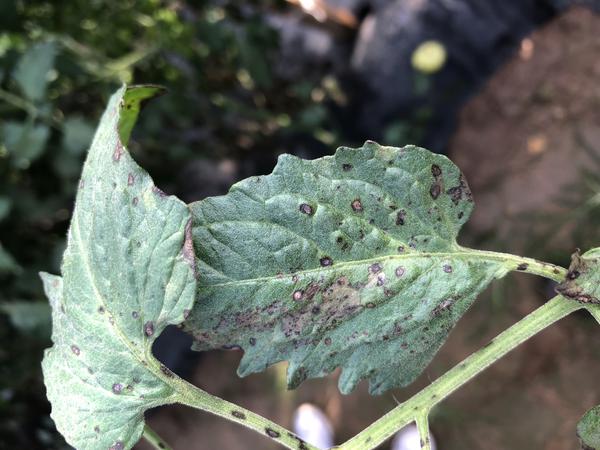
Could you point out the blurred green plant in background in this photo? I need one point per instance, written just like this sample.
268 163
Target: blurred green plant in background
59 60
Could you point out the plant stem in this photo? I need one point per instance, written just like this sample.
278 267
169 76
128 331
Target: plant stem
422 422
526 265
190 395
411 410
154 439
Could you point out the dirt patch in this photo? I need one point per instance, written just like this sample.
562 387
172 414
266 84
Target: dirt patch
523 142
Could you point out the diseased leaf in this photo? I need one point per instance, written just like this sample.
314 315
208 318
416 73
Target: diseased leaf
588 429
349 260
128 271
583 279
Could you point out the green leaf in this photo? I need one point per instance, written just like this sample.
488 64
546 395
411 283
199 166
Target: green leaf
583 279
128 271
32 70
588 429
25 142
347 261
131 107
31 318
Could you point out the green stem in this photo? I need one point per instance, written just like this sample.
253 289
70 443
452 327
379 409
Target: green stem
422 422
154 439
412 409
190 395
526 265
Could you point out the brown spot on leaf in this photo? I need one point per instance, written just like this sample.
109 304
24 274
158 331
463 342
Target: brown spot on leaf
118 152
346 167
305 208
435 170
447 268
75 350
400 216
130 179
149 328
117 446
117 388
252 341
522 266
298 294
326 261
356 205
375 268
400 271
460 192
188 248
158 192
444 305
435 191
134 201
327 341
573 274
166 371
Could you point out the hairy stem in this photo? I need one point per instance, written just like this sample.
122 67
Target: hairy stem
154 439
196 398
526 265
411 410
422 422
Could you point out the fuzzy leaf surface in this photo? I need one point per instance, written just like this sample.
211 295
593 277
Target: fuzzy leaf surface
128 271
349 260
588 429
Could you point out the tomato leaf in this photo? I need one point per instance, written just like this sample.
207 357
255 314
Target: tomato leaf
588 429
349 261
128 271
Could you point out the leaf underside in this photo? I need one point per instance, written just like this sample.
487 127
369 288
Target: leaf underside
345 261
128 271
588 429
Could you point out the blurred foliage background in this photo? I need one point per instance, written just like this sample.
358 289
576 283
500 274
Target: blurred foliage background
234 104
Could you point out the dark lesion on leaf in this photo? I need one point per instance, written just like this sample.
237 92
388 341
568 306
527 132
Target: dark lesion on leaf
460 192
577 283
